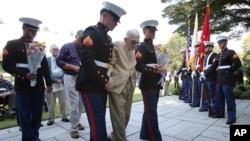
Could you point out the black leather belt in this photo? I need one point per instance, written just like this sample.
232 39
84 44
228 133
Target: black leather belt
73 74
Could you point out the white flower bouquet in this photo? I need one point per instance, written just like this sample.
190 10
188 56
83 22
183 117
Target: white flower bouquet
35 55
162 57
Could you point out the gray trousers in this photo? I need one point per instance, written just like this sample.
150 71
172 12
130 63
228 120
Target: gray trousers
12 101
120 108
51 101
74 100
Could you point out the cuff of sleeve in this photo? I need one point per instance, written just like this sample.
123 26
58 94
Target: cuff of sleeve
102 77
20 76
149 69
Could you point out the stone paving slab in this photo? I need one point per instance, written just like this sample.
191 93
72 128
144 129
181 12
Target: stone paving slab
177 122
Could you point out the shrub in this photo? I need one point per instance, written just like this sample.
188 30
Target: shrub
237 92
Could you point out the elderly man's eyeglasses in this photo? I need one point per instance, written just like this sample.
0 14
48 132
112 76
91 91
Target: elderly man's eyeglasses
133 42
55 48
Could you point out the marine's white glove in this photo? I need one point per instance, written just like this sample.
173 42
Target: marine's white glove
202 76
162 80
193 74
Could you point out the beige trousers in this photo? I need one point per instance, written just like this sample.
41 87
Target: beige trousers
51 100
120 108
74 100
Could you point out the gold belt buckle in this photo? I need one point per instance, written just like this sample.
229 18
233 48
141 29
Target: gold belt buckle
107 66
218 67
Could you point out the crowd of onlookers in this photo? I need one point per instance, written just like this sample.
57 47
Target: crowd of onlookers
7 97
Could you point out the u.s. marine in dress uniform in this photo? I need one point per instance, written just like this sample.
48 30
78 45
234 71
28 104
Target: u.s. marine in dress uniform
210 79
150 76
183 72
196 92
226 63
93 81
30 100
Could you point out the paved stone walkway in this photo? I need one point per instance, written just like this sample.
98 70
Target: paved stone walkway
177 122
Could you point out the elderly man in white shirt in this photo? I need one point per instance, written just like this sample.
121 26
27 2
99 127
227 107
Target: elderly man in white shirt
56 75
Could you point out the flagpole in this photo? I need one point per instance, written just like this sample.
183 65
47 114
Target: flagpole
192 59
189 42
205 36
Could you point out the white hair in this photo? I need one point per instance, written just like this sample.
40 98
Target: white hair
53 46
131 32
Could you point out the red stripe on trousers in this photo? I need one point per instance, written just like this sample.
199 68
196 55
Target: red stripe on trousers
91 115
151 131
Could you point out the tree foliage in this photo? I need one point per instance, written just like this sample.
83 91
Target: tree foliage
46 29
246 43
174 46
225 15
246 56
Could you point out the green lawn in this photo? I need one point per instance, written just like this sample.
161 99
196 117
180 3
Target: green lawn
11 122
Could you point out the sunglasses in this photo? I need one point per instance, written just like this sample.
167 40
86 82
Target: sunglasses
133 42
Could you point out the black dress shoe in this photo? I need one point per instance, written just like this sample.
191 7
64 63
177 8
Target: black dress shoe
230 121
202 110
20 128
211 114
144 138
216 116
192 105
49 123
65 120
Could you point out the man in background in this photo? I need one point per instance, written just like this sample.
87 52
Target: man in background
8 94
56 75
168 80
69 61
183 71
